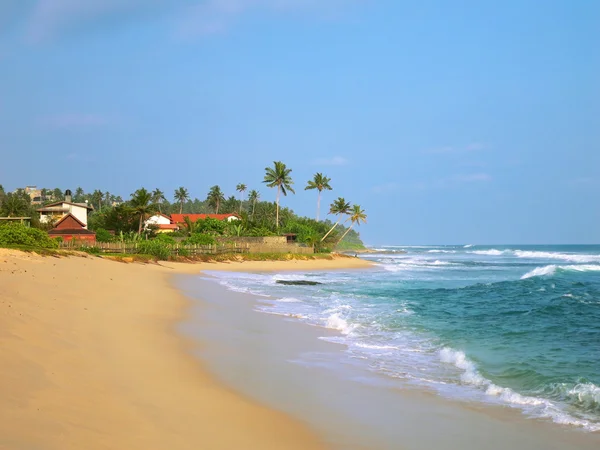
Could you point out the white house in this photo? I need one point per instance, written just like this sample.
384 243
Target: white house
162 222
57 210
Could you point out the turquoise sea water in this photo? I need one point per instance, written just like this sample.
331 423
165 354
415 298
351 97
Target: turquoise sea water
511 325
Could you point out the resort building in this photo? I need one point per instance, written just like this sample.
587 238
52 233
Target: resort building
180 218
162 222
70 228
56 211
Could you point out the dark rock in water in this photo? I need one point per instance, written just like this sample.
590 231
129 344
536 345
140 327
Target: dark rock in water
298 282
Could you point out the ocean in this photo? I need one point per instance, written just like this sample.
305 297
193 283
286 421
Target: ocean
517 326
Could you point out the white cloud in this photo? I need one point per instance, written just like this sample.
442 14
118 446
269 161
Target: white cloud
333 161
48 18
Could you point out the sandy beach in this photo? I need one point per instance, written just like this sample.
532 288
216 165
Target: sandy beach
90 359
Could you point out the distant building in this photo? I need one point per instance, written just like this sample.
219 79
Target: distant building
162 222
180 218
57 210
70 228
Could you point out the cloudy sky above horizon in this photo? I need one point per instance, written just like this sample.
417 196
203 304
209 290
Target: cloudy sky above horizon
447 121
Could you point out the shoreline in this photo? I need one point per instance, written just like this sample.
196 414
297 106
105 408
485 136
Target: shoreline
285 364
92 360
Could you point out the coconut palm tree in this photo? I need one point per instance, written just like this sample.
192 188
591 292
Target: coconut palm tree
79 195
107 198
253 196
215 197
279 175
320 183
357 216
241 188
141 202
158 197
181 196
97 198
340 207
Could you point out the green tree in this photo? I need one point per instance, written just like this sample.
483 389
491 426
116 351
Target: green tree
253 196
158 197
79 196
320 183
97 199
57 195
340 207
2 195
215 197
16 204
279 175
357 215
141 202
107 199
241 188
181 196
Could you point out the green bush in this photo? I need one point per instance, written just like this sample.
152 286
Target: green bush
91 250
165 238
155 248
17 234
200 239
103 235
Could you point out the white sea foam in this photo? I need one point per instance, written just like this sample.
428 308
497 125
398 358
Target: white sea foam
468 246
536 406
376 347
336 322
491 252
289 300
552 268
554 255
441 251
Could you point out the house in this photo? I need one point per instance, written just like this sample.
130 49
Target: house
58 210
162 222
180 218
70 228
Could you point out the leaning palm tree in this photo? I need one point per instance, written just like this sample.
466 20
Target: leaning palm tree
357 216
158 197
181 195
241 188
141 202
215 197
340 207
279 175
253 196
320 183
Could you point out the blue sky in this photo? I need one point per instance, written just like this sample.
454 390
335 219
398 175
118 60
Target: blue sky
447 121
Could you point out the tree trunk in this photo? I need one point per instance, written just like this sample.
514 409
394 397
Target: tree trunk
318 205
277 207
253 206
181 207
344 235
141 220
331 229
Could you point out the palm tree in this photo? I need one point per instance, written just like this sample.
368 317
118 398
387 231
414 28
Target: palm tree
97 198
320 183
181 195
357 216
279 176
107 198
79 195
253 196
241 188
340 206
141 202
158 197
215 197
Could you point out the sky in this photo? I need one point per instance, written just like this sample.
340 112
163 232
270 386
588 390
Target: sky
449 122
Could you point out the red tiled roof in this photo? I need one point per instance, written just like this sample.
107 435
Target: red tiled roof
180 218
70 222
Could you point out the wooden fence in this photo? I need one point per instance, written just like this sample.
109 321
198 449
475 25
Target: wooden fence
176 249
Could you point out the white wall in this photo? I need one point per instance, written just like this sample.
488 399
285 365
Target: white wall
158 220
79 212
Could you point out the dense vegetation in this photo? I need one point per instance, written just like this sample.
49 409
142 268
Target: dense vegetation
126 219
15 234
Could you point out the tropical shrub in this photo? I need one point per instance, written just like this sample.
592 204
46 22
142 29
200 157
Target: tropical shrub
210 225
165 238
103 235
155 248
18 234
